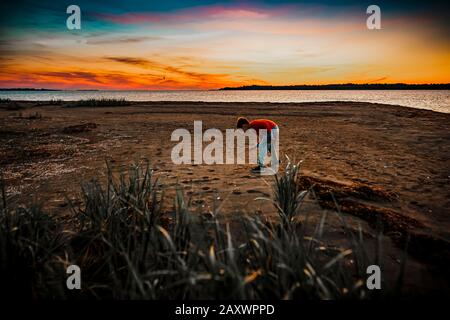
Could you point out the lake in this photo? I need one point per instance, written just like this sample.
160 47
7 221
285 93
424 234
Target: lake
436 100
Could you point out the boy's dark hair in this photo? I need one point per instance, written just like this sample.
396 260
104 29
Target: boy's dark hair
241 121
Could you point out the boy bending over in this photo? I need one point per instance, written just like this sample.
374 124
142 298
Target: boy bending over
265 146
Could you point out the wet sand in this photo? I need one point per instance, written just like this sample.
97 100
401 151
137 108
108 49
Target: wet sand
383 163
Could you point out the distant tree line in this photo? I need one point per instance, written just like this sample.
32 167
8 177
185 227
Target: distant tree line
349 86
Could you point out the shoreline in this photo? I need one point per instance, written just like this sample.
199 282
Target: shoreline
149 103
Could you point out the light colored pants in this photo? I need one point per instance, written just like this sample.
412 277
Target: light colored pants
270 144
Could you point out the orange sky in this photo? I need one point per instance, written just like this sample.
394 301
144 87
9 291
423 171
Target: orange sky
213 47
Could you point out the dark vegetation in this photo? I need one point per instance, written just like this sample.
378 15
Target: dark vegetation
349 86
129 247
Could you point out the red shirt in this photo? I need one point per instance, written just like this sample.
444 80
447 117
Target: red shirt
260 124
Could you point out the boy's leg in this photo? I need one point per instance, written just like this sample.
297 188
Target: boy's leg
262 149
274 146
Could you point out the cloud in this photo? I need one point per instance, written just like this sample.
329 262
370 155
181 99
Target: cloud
174 72
378 80
130 18
126 40
71 75
129 60
77 80
189 15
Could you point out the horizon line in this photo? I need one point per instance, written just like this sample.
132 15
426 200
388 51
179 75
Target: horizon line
337 86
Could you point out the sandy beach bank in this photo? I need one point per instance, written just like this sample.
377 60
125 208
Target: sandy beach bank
382 163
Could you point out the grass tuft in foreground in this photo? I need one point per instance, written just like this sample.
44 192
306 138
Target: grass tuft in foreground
128 247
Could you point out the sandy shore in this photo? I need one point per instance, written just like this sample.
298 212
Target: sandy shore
382 162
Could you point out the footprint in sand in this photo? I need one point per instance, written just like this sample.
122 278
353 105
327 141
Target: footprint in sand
258 191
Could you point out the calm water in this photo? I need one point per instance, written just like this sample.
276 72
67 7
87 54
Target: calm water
437 100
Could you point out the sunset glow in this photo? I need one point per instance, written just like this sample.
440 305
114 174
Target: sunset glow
214 45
